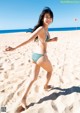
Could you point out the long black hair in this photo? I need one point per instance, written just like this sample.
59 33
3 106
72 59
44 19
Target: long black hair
40 21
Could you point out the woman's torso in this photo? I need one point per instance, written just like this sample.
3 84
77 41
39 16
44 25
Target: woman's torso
41 45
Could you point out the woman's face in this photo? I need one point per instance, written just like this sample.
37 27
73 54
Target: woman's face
47 19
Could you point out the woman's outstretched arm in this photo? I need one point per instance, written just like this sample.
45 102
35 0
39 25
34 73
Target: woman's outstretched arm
32 37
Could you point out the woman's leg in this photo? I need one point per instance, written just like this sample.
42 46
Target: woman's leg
48 67
35 73
46 86
45 64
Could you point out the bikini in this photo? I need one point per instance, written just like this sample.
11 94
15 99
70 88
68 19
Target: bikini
36 56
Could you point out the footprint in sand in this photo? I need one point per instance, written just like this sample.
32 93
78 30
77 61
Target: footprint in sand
41 110
36 88
68 109
54 107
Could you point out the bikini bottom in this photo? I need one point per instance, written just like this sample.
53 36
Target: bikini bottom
36 56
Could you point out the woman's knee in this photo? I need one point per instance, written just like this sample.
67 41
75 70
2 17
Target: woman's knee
50 70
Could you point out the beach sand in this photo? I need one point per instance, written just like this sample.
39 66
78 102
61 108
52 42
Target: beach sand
16 74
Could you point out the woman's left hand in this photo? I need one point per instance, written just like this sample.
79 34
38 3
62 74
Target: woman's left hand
55 39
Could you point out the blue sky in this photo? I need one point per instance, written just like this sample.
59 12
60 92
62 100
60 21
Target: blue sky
22 14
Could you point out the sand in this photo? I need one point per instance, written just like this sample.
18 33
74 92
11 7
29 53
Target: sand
16 74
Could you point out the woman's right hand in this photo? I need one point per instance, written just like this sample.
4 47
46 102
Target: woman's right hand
9 49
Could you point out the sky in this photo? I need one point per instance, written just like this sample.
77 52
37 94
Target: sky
23 14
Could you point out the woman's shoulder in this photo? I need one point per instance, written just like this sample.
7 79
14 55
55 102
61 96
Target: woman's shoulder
41 28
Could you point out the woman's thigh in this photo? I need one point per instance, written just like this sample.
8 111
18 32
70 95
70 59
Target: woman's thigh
45 63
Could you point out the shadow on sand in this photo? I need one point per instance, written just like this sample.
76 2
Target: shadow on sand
53 96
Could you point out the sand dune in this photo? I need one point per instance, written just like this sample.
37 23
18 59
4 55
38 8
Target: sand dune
16 74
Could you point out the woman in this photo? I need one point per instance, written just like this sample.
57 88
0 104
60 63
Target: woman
39 57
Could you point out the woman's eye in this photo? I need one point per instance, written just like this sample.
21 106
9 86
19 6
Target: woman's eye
48 17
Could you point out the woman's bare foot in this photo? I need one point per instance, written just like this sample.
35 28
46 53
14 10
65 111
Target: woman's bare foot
22 106
48 87
20 109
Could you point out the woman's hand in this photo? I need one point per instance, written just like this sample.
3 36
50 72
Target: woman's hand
9 49
55 39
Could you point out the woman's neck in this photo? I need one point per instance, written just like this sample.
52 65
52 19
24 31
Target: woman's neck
46 28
